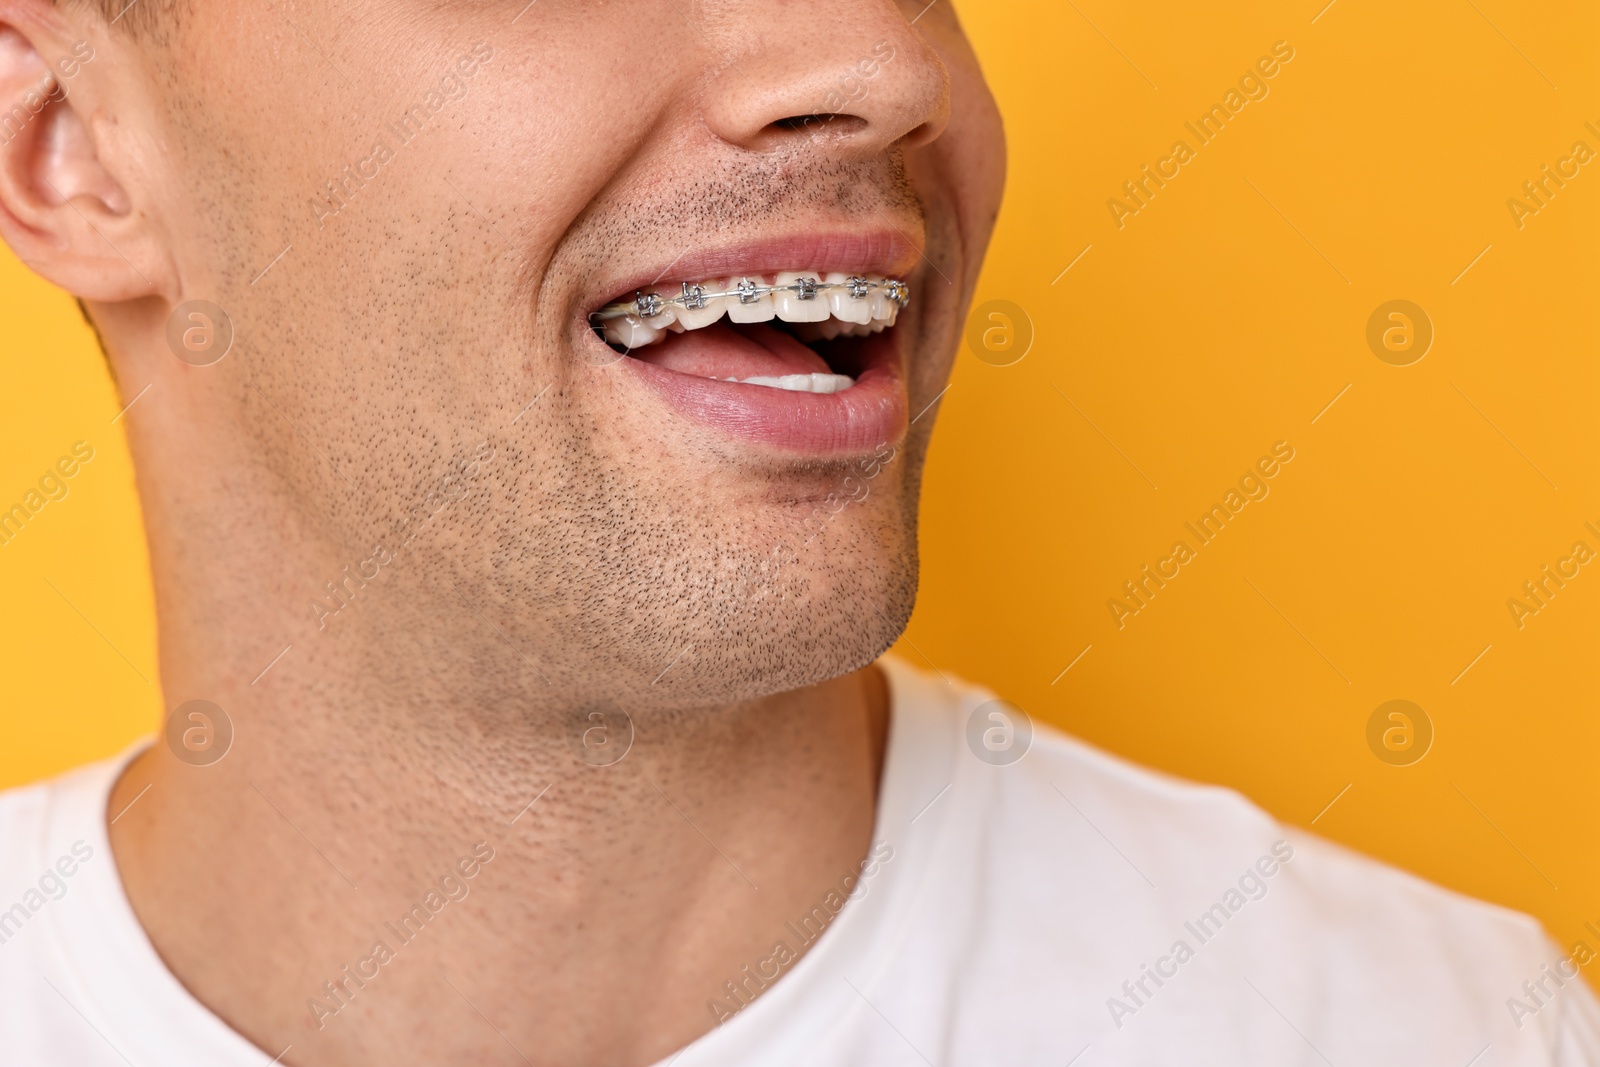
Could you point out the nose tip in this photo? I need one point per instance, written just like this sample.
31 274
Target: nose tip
853 76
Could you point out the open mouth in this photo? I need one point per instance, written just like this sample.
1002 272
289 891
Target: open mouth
793 331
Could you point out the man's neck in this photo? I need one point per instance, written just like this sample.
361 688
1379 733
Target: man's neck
411 855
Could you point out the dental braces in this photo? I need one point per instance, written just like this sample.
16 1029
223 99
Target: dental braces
695 297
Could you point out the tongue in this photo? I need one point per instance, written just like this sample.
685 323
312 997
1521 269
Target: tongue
728 351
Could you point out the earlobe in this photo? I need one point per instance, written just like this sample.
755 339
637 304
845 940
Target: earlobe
62 211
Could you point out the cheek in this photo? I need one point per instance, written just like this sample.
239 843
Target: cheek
956 243
973 147
960 179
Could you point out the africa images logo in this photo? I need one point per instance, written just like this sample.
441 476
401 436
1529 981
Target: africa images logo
742 989
1252 86
1252 486
1251 886
340 991
51 886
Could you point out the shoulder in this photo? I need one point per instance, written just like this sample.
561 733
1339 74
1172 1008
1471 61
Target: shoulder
34 816
22 811
42 805
48 831
79 981
1179 828
1123 864
1331 895
55 857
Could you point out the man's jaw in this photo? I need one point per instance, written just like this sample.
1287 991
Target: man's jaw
796 347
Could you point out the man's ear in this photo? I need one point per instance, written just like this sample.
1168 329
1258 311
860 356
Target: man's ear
64 207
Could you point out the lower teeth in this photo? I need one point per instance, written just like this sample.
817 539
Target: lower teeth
801 383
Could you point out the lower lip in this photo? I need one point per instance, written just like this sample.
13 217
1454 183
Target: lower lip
868 415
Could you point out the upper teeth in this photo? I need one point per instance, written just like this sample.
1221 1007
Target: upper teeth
862 305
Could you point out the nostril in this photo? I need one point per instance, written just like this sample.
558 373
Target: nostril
800 122
822 122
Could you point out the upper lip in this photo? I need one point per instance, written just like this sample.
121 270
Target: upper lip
889 252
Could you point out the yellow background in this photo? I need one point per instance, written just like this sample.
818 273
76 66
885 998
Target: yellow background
1222 318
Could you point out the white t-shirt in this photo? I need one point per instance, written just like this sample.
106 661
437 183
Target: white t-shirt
1065 908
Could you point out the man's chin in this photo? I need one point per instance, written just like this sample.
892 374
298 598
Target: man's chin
782 644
